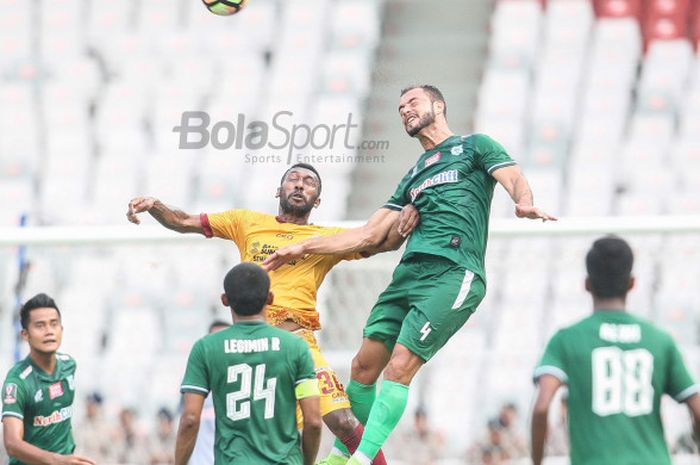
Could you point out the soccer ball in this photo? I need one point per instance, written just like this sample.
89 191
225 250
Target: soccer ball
224 7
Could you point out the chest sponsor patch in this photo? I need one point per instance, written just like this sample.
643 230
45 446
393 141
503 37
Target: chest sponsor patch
10 394
55 390
445 177
57 416
433 159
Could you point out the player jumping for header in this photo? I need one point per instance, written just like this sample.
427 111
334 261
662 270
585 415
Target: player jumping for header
440 280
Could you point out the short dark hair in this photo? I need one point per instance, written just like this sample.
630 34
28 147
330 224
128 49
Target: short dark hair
38 301
432 91
306 166
609 266
218 323
247 286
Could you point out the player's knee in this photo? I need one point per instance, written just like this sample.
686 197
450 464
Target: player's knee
364 372
403 366
342 423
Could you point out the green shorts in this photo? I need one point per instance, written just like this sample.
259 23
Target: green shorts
428 300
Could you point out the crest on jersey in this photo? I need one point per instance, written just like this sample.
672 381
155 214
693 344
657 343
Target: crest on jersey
38 396
10 394
457 150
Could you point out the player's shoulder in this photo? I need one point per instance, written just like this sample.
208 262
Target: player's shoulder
66 360
19 372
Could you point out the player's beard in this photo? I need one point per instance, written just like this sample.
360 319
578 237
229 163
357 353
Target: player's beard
423 121
299 211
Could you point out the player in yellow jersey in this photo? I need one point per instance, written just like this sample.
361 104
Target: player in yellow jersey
259 235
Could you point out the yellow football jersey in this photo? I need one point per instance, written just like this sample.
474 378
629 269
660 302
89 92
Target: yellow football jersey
294 284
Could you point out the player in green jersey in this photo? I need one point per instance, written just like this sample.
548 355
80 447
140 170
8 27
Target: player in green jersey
256 374
440 280
616 367
37 396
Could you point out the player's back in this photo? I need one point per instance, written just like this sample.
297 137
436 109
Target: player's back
252 370
617 367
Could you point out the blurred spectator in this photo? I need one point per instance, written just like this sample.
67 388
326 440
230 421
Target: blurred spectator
92 433
162 443
492 448
419 445
203 453
685 444
128 442
513 438
490 456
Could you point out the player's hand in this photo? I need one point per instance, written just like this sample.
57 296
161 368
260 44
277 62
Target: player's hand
283 255
139 205
533 213
408 220
75 460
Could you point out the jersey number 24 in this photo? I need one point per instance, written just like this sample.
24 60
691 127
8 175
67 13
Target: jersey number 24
238 402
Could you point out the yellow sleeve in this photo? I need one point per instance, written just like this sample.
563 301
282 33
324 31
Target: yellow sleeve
229 224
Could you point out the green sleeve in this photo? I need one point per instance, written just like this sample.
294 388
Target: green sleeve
489 154
304 363
680 384
553 361
196 378
398 200
14 398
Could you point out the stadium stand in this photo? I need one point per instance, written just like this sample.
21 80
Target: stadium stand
599 101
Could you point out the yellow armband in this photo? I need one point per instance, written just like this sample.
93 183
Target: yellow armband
307 388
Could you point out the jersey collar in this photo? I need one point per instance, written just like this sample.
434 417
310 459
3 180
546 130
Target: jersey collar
44 375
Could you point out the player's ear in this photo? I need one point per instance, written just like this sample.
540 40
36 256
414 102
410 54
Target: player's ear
270 298
633 282
278 192
588 284
439 107
317 202
25 335
224 300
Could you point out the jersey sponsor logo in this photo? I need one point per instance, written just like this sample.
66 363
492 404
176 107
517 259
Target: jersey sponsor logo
247 346
288 236
10 396
55 390
25 373
625 334
38 396
57 416
444 177
433 159
457 150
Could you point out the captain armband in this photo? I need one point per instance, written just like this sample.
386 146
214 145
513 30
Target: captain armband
307 388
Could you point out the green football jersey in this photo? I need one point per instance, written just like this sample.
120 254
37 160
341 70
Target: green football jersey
252 370
617 367
452 187
44 402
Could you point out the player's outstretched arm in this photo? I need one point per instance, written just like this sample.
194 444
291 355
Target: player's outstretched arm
189 427
171 218
403 226
17 447
547 386
311 431
515 183
363 239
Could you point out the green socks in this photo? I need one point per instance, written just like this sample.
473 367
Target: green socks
384 417
362 397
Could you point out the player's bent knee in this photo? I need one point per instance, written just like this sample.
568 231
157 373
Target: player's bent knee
403 366
363 372
342 423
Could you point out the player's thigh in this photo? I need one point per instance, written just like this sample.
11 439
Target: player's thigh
440 309
387 315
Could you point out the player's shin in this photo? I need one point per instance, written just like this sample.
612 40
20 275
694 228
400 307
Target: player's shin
384 417
362 397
